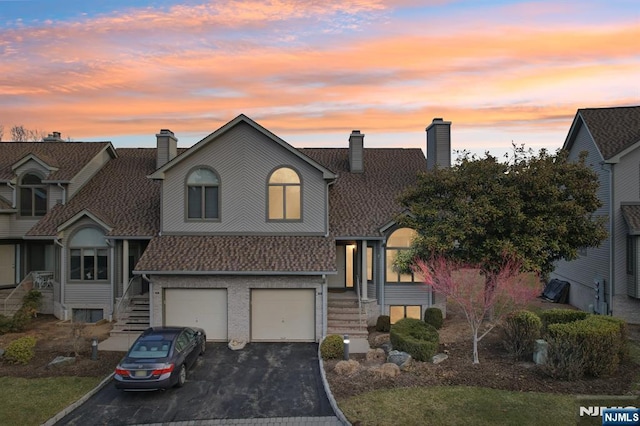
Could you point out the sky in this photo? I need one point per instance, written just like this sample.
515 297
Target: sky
501 71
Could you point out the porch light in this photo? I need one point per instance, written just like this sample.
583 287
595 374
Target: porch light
345 340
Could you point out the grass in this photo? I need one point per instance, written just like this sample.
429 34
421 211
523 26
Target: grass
459 405
34 401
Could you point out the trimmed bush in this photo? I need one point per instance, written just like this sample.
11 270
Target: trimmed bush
560 316
383 323
21 350
433 317
593 346
415 337
332 347
521 329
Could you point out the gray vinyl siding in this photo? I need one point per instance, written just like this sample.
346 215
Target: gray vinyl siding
243 158
580 273
6 192
406 294
633 281
31 166
85 294
626 177
87 172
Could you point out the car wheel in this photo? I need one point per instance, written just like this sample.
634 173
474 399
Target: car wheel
203 347
182 376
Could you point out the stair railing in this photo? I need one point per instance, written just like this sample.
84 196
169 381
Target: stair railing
124 301
358 284
10 296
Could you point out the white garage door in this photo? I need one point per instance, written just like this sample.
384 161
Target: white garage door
283 315
204 308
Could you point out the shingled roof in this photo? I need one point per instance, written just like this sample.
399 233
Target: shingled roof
361 203
68 157
245 254
631 214
613 129
120 195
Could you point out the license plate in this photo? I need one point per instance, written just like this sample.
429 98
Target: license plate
140 373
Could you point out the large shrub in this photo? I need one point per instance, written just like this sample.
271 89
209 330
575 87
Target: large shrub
383 323
560 316
332 347
593 346
433 316
520 330
415 337
21 351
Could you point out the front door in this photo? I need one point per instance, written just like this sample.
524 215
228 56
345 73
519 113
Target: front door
7 264
346 270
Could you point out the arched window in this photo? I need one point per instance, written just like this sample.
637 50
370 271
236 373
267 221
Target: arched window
398 241
203 194
33 196
284 195
88 255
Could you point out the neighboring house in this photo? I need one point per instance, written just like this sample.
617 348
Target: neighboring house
606 279
241 234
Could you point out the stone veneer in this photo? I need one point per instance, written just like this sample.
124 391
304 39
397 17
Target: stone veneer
238 296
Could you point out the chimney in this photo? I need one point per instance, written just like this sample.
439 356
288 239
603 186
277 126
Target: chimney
53 137
438 144
167 147
356 152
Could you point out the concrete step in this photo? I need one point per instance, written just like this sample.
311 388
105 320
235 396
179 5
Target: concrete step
340 303
347 316
353 334
342 310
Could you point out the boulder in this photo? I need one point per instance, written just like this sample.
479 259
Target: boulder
61 360
380 340
236 345
386 370
347 368
376 355
386 347
401 359
438 358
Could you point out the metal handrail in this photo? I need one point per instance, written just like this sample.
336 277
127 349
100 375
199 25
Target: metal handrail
123 303
14 290
358 284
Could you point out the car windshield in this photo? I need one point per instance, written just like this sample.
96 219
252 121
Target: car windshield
150 349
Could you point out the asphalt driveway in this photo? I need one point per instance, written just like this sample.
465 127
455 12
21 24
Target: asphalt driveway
263 380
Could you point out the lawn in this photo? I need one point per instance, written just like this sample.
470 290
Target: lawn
34 401
459 405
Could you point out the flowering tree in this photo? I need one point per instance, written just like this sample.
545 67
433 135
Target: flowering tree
479 294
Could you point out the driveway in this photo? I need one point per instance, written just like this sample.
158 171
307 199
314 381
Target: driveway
263 380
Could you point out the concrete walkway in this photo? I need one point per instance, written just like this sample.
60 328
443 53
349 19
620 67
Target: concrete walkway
286 421
118 342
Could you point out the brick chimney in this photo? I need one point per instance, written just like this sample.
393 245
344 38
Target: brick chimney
356 152
438 144
167 147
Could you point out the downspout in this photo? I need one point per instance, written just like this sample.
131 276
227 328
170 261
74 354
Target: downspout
382 276
13 196
612 233
62 271
64 193
325 314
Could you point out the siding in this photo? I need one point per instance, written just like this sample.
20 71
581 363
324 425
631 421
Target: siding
243 158
581 272
632 279
406 294
87 294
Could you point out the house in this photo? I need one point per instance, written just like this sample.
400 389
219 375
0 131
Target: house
241 234
606 279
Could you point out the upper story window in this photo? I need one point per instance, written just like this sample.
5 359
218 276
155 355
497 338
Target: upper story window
33 196
284 195
88 255
398 241
203 195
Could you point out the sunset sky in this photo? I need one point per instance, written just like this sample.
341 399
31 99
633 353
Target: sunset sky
312 71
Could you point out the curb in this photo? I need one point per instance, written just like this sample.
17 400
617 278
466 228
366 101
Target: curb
55 419
339 414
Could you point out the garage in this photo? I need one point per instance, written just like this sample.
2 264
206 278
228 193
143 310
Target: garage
283 315
204 308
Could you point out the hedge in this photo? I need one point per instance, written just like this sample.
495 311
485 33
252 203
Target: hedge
521 329
332 347
415 337
433 316
560 316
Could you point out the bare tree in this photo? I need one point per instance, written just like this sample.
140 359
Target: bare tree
1 132
22 134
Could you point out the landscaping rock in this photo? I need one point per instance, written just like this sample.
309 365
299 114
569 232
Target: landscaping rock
380 340
347 368
401 359
386 347
376 355
236 345
540 352
386 370
438 358
61 360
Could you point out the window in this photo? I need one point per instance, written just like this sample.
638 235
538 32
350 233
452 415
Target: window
399 312
284 195
203 199
398 241
88 256
33 196
87 315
